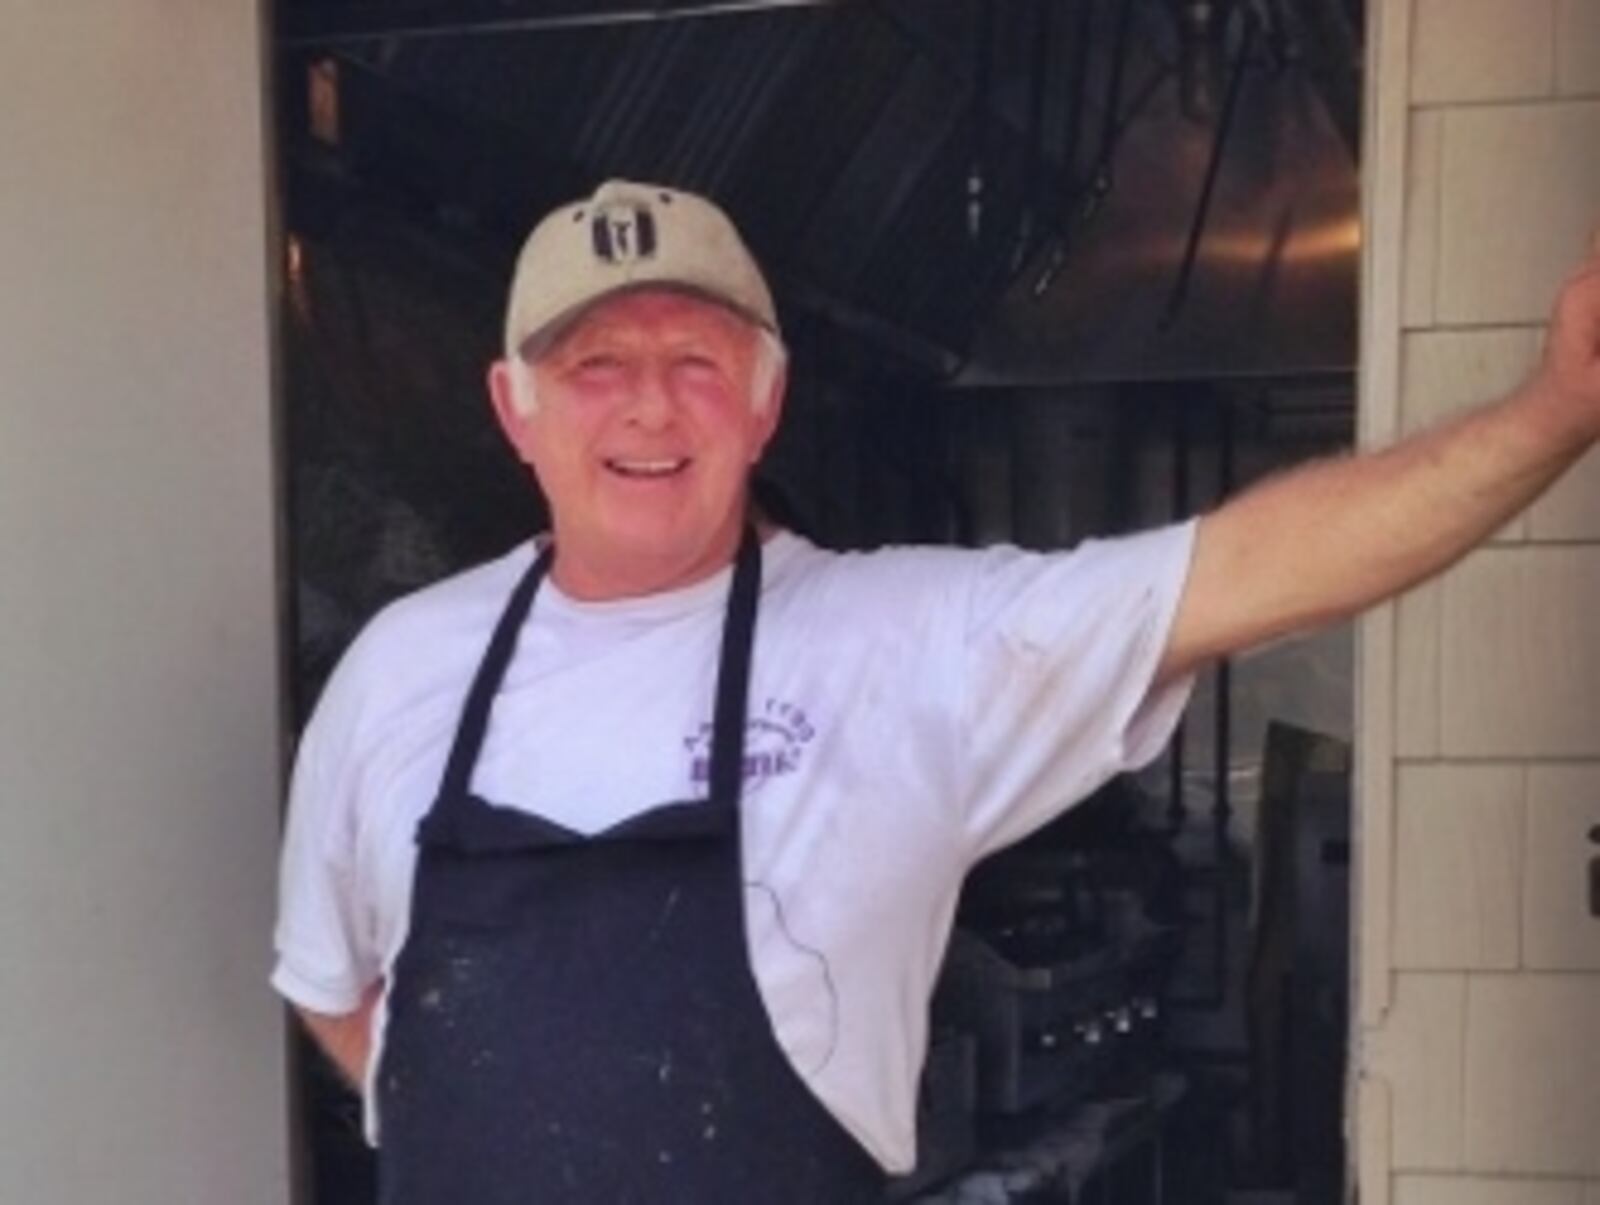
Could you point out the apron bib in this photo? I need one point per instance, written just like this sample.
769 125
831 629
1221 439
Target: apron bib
574 1018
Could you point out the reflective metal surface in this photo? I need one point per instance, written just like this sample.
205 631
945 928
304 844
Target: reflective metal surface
1274 286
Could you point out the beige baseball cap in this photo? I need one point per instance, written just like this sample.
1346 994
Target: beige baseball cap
629 236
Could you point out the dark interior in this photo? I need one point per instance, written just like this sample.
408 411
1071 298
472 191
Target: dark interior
1048 269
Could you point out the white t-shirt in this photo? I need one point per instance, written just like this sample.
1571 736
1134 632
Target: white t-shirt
911 710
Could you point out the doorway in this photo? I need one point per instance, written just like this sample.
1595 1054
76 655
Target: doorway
1049 271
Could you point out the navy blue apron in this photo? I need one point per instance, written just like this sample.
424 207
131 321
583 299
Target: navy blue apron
574 1018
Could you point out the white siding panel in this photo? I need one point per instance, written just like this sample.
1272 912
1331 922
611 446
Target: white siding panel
1533 1074
1417 1054
1520 654
1419 273
1459 1190
1417 673
1578 46
1446 372
1458 898
1559 933
1521 187
1472 50
1571 510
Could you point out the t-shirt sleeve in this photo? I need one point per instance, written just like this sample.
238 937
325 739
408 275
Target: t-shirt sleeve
1059 694
326 952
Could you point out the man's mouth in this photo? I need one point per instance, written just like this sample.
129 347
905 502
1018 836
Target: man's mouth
647 469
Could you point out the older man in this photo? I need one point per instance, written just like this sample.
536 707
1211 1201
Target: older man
605 891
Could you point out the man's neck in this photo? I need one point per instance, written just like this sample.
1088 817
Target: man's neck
611 579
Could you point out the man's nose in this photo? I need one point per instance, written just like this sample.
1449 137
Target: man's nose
652 404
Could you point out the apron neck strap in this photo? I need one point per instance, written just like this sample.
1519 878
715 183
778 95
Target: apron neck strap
733 674
491 672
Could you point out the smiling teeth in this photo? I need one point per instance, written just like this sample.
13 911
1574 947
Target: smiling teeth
648 468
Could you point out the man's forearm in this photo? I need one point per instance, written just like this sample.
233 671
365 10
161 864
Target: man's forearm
1325 541
346 1039
1322 543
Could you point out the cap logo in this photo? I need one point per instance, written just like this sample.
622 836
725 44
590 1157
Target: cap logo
623 233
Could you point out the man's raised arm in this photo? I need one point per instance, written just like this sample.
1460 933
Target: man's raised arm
1325 541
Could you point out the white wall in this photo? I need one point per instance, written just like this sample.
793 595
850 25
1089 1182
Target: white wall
141 1056
1480 703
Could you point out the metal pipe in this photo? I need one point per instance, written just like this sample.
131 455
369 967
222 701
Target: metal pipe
1198 52
1039 76
1082 41
1180 287
982 83
1222 809
1110 125
1084 202
490 24
1182 445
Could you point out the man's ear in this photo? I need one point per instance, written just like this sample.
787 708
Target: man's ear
505 397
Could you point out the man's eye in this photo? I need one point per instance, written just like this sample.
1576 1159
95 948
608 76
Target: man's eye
598 362
694 360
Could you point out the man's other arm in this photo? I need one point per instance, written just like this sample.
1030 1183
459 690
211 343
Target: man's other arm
346 1039
1325 541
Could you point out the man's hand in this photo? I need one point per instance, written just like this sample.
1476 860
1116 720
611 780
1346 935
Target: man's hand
1570 374
1325 541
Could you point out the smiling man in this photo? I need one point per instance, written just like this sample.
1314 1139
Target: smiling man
620 869
656 406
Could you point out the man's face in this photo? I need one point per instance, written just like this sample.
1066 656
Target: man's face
642 438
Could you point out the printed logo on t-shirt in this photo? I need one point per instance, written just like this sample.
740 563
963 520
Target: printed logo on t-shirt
775 737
